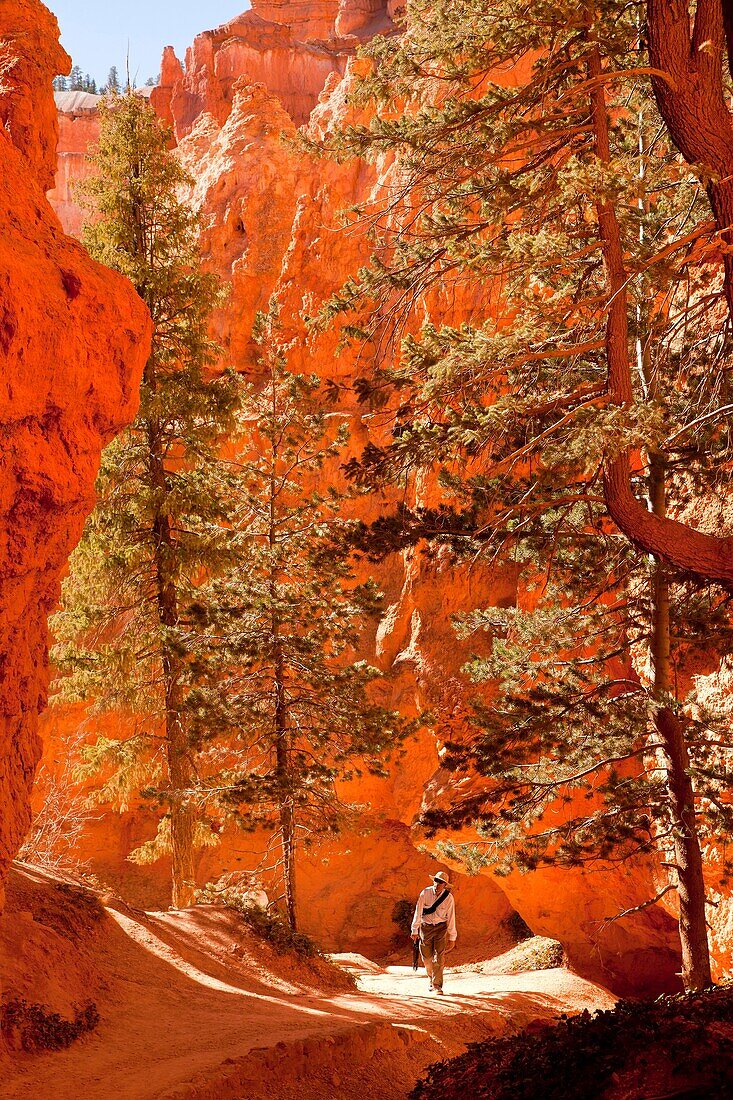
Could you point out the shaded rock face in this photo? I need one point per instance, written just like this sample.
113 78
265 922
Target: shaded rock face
73 341
271 225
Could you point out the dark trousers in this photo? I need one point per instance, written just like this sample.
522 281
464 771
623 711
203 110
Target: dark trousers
432 949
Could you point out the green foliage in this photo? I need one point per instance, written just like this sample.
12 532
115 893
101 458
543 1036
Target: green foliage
162 844
77 82
663 1047
211 611
568 740
125 641
471 856
268 924
112 86
402 912
31 1027
286 621
499 203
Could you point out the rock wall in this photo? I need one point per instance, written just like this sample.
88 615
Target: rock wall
291 46
78 126
73 342
271 218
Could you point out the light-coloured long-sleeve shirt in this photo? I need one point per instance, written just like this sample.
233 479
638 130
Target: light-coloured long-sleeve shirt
446 911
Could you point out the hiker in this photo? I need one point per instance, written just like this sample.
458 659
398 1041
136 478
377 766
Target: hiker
434 925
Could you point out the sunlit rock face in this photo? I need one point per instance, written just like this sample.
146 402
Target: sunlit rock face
291 47
30 56
78 124
271 225
73 341
328 19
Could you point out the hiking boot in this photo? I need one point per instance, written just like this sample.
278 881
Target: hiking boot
440 992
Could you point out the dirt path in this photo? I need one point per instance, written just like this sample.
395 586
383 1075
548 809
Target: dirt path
184 1014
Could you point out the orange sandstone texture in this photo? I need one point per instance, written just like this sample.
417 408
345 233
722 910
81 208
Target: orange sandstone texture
292 46
78 124
271 224
30 56
73 341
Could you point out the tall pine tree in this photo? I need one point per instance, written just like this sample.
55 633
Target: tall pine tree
286 622
126 645
536 173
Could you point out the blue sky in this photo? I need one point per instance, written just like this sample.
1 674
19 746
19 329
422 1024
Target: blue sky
96 32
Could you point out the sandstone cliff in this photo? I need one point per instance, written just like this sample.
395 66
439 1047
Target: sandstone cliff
272 224
73 341
291 46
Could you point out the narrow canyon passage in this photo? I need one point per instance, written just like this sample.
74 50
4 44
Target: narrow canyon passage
366 515
191 1008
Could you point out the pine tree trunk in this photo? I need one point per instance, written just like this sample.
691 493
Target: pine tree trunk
181 775
282 738
687 855
692 99
680 793
670 729
287 815
180 779
665 539
705 555
287 834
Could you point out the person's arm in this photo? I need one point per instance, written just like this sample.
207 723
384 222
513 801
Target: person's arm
451 930
415 929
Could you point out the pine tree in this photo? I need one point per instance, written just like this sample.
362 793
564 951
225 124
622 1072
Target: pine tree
126 644
76 79
288 625
595 745
688 44
513 182
542 161
112 86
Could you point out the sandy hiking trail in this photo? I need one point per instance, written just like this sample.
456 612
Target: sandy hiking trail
187 1011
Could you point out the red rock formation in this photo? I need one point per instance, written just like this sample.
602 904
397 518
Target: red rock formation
271 225
78 132
328 19
29 52
73 341
171 74
291 46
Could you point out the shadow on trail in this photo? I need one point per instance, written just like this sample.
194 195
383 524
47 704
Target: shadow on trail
184 995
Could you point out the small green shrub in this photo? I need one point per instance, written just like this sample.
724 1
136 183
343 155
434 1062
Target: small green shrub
537 953
402 912
32 1027
266 923
271 927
